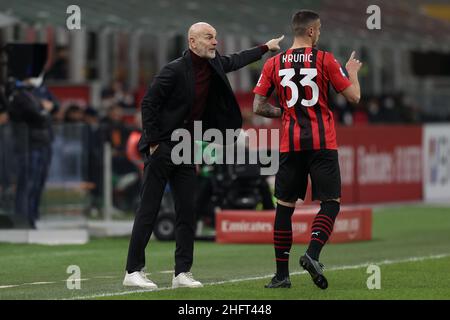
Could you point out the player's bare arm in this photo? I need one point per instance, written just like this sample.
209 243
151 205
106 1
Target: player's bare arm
353 93
263 108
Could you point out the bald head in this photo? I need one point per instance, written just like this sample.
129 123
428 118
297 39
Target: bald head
198 28
202 40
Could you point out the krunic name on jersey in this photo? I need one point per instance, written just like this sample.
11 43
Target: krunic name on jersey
299 57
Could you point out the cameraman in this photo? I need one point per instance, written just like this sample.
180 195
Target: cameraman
30 114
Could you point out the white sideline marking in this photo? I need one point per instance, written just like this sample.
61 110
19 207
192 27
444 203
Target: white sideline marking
53 282
41 282
339 268
75 280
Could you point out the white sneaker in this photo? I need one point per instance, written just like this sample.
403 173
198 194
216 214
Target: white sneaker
138 279
185 279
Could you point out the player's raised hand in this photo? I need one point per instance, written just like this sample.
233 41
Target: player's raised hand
274 44
353 65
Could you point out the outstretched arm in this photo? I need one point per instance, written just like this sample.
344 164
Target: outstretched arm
263 108
239 60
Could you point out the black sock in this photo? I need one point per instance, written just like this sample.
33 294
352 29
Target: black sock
282 239
322 227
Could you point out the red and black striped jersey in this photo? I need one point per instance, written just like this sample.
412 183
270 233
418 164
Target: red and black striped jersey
301 78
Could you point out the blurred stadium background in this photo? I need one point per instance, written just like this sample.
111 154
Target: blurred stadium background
394 146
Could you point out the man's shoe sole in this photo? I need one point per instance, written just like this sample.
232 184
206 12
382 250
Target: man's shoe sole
129 284
180 286
318 279
142 287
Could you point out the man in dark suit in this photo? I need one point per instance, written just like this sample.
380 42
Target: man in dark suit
191 88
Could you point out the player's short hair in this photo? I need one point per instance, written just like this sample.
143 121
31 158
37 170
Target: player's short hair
302 20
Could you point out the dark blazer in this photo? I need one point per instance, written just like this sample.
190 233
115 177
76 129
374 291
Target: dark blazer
25 111
169 99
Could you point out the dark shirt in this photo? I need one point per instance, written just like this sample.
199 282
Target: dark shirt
202 76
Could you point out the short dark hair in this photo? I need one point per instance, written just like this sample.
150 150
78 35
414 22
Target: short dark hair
301 20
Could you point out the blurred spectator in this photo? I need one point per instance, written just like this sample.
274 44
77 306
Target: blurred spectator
3 117
58 116
91 117
31 116
360 116
390 110
410 110
122 95
4 144
115 131
116 94
60 68
347 118
374 111
95 159
3 110
74 114
344 110
133 153
125 175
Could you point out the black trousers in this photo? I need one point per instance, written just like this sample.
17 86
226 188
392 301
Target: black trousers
158 170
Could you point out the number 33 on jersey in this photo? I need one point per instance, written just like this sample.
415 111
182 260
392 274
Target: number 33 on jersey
301 78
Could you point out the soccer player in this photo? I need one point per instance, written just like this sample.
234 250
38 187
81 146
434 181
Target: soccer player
301 77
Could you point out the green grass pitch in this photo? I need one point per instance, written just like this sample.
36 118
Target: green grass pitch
411 245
